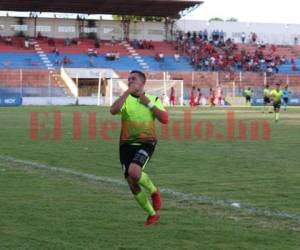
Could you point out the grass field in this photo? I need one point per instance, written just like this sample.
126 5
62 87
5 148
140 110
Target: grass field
46 208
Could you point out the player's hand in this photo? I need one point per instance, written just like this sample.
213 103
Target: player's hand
144 99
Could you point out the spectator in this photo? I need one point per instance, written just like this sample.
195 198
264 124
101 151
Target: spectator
141 44
51 42
135 44
31 43
91 61
253 37
150 45
8 40
39 36
113 41
161 56
109 57
90 52
97 43
296 40
205 35
26 43
243 37
56 54
66 60
294 67
67 42
177 57
75 41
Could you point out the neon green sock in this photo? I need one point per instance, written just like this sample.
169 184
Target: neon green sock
146 182
142 199
276 116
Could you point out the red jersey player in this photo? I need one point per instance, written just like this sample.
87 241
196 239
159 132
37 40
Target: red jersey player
192 97
212 97
172 96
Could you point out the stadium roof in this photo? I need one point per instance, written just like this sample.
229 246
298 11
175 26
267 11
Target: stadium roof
116 7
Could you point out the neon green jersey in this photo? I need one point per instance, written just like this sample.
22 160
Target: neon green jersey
138 121
267 92
248 92
276 95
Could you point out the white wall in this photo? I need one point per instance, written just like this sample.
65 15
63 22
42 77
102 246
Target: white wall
268 32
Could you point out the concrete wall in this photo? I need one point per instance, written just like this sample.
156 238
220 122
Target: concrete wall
62 28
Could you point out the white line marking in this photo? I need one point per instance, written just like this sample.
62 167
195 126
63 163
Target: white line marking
184 196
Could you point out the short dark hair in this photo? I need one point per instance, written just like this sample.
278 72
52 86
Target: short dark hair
140 73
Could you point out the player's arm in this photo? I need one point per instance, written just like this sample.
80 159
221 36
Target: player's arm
161 115
117 105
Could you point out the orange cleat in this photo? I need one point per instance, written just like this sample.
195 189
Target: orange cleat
152 219
156 200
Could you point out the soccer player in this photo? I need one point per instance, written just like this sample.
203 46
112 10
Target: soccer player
248 95
219 95
137 140
212 97
267 100
192 97
172 96
276 95
286 95
199 98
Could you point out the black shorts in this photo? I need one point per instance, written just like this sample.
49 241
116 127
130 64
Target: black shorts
276 105
267 100
286 100
139 153
248 98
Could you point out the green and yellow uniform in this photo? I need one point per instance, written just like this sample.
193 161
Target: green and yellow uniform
267 94
138 141
138 121
248 94
276 96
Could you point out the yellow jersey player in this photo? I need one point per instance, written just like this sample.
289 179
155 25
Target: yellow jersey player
276 95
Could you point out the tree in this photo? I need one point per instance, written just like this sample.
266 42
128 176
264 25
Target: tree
215 19
137 18
232 19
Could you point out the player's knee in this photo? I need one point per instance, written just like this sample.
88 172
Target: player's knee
134 171
133 185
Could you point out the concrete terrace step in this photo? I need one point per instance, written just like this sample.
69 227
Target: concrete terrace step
136 56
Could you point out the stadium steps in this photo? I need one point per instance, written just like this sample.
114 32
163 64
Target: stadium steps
56 79
43 56
136 56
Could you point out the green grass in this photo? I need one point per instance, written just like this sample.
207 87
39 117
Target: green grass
42 209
